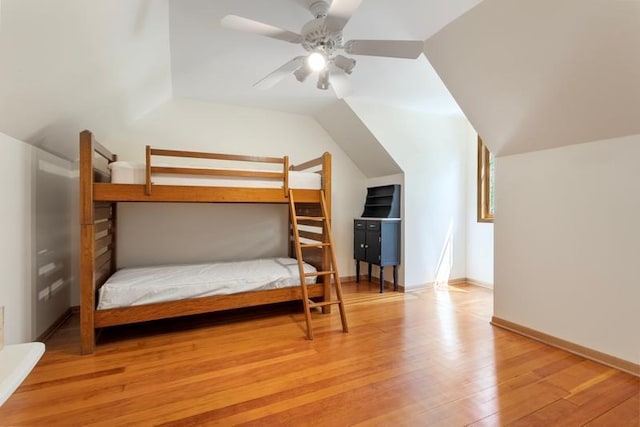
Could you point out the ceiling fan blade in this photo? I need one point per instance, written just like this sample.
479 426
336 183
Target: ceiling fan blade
409 49
274 77
339 83
239 23
339 13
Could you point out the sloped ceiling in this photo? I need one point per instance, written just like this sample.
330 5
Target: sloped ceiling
70 65
531 75
354 137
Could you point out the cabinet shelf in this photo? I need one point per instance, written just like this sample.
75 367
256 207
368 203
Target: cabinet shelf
382 202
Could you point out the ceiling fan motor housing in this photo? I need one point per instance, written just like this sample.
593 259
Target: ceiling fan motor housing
315 35
319 9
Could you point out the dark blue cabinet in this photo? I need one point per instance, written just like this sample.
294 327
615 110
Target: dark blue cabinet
377 242
376 236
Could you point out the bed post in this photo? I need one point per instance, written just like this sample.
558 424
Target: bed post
326 251
114 228
87 244
326 179
147 170
286 175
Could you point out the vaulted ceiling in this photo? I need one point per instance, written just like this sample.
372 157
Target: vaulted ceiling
528 74
216 64
72 64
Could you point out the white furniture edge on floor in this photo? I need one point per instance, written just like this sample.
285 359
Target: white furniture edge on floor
16 361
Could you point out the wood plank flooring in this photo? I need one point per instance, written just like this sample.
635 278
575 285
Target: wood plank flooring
427 358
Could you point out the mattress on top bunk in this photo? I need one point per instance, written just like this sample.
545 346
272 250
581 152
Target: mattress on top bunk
148 285
135 173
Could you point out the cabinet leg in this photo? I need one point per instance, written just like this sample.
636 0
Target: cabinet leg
381 279
369 271
395 278
357 271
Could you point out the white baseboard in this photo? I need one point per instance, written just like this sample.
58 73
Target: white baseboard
480 283
452 282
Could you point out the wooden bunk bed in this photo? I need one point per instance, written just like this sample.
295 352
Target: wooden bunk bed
98 224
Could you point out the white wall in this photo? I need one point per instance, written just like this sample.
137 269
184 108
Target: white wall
479 234
35 248
567 244
431 150
191 233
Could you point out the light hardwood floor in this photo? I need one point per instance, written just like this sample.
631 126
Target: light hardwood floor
417 359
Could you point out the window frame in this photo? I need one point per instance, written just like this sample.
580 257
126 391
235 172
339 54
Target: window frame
484 183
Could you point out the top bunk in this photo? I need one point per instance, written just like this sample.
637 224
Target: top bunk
249 179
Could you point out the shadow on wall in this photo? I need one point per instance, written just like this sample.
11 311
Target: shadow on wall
185 233
52 239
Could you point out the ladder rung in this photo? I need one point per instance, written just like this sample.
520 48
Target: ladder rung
323 303
323 240
319 273
314 245
310 218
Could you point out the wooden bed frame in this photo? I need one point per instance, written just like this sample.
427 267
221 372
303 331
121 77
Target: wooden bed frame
98 223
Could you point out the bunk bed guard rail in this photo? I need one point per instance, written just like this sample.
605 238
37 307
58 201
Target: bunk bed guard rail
150 169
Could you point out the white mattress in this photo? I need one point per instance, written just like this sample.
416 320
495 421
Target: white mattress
134 173
147 285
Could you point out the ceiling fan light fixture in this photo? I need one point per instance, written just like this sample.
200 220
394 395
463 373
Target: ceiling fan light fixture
344 63
317 61
302 73
323 80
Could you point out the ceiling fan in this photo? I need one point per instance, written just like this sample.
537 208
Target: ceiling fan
322 39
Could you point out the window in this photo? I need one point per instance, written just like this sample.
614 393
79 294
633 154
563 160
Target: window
486 183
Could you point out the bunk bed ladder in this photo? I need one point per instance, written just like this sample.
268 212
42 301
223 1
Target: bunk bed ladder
332 266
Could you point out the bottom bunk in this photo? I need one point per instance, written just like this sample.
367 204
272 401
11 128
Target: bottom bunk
150 293
166 310
113 297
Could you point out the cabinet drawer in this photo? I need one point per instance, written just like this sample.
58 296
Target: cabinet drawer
373 225
359 224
